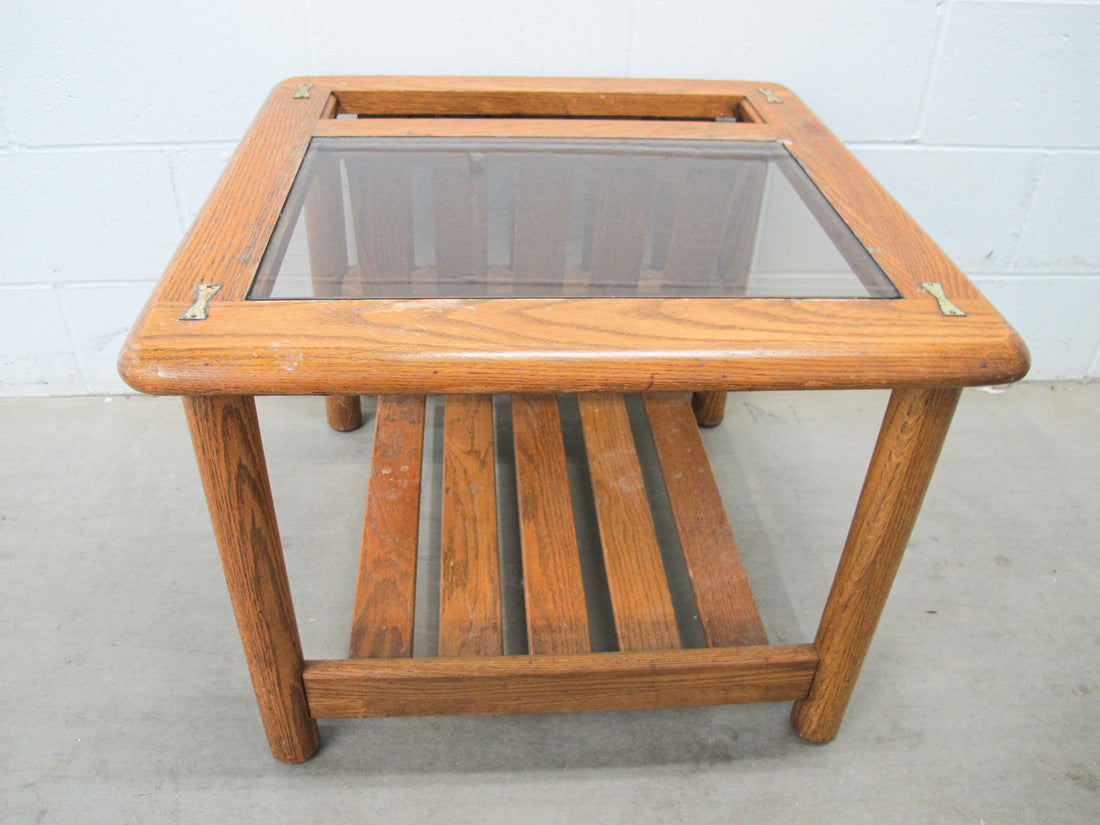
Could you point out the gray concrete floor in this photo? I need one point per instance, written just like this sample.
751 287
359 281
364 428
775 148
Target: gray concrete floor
126 698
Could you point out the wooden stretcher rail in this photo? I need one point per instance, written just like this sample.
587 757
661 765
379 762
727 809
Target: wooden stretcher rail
557 683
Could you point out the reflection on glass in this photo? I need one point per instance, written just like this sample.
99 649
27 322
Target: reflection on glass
531 218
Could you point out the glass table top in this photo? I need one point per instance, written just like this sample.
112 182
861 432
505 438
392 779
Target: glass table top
403 218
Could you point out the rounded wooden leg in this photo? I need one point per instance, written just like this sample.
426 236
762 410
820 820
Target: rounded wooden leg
226 436
345 413
908 445
709 408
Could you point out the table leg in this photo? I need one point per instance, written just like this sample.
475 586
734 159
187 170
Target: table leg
709 408
909 443
345 413
226 436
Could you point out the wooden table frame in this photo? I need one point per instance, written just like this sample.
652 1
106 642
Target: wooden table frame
938 336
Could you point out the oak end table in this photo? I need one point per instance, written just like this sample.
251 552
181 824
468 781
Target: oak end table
644 246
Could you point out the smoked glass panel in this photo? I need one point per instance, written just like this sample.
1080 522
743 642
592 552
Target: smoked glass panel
530 218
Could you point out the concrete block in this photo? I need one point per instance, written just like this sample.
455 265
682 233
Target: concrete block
85 216
36 357
1058 317
494 37
5 139
1063 231
194 173
860 65
1018 74
98 318
973 204
113 73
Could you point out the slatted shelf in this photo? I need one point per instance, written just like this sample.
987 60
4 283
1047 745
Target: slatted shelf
557 565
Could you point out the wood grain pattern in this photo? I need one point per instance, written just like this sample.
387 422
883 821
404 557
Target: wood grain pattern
469 593
557 618
227 240
382 618
622 345
727 609
765 344
558 683
226 437
909 443
644 616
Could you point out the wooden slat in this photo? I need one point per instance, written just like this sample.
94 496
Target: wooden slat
459 198
703 204
742 219
469 580
548 684
617 232
557 618
382 621
540 236
640 600
382 215
727 609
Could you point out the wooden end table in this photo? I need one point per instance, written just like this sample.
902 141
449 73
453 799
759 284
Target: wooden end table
501 241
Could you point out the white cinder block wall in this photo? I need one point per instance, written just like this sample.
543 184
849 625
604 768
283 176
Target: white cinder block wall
983 118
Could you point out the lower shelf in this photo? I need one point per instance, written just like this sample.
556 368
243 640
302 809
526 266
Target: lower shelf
557 670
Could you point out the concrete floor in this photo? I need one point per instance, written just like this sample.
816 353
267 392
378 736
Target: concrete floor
126 698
